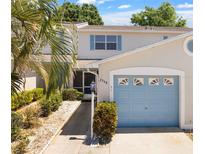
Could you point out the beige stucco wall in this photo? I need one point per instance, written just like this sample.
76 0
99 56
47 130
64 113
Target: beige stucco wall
130 41
32 80
29 81
171 55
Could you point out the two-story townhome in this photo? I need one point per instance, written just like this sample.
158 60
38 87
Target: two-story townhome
146 70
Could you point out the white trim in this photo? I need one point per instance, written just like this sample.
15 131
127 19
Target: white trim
133 31
155 71
185 45
145 48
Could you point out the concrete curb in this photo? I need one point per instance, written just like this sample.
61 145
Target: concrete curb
58 131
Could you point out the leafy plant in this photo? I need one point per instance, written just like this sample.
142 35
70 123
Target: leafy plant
30 117
164 15
27 96
35 25
37 94
50 105
55 101
45 107
72 94
21 99
72 12
105 121
16 124
20 146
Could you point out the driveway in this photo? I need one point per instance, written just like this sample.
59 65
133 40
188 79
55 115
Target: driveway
151 141
72 139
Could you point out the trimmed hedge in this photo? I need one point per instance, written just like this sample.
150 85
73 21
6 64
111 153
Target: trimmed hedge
50 105
105 121
72 94
24 98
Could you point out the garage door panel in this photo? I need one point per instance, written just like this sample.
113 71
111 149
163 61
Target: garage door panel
147 105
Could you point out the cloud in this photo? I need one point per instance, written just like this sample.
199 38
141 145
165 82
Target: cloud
86 1
186 14
119 18
93 1
184 6
103 1
125 6
123 17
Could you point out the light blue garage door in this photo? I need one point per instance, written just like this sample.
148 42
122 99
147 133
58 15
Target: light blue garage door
147 100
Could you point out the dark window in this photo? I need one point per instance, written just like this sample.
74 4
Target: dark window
111 46
100 42
100 46
88 78
111 42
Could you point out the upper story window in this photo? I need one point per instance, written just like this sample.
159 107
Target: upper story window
100 42
111 42
105 42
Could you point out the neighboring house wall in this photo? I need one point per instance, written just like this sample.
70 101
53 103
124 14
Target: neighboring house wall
130 41
30 81
170 55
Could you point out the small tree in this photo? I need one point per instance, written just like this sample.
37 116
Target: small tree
164 15
80 13
34 25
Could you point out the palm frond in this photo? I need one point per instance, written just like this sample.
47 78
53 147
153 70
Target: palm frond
16 82
34 26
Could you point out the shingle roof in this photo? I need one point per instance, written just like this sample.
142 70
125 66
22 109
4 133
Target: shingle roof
134 28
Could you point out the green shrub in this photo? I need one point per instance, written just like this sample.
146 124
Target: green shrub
105 121
72 94
50 105
37 94
79 95
15 102
21 99
20 146
26 97
30 117
45 107
55 101
16 124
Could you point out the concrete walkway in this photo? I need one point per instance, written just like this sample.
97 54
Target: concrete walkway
73 134
72 139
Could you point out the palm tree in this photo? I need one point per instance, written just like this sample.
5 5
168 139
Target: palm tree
35 24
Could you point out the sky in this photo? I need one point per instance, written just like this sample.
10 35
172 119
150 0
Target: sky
119 12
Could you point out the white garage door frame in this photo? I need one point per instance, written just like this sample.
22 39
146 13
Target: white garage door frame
155 71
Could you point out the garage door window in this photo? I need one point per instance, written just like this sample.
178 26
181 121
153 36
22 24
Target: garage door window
138 81
123 81
168 81
153 81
